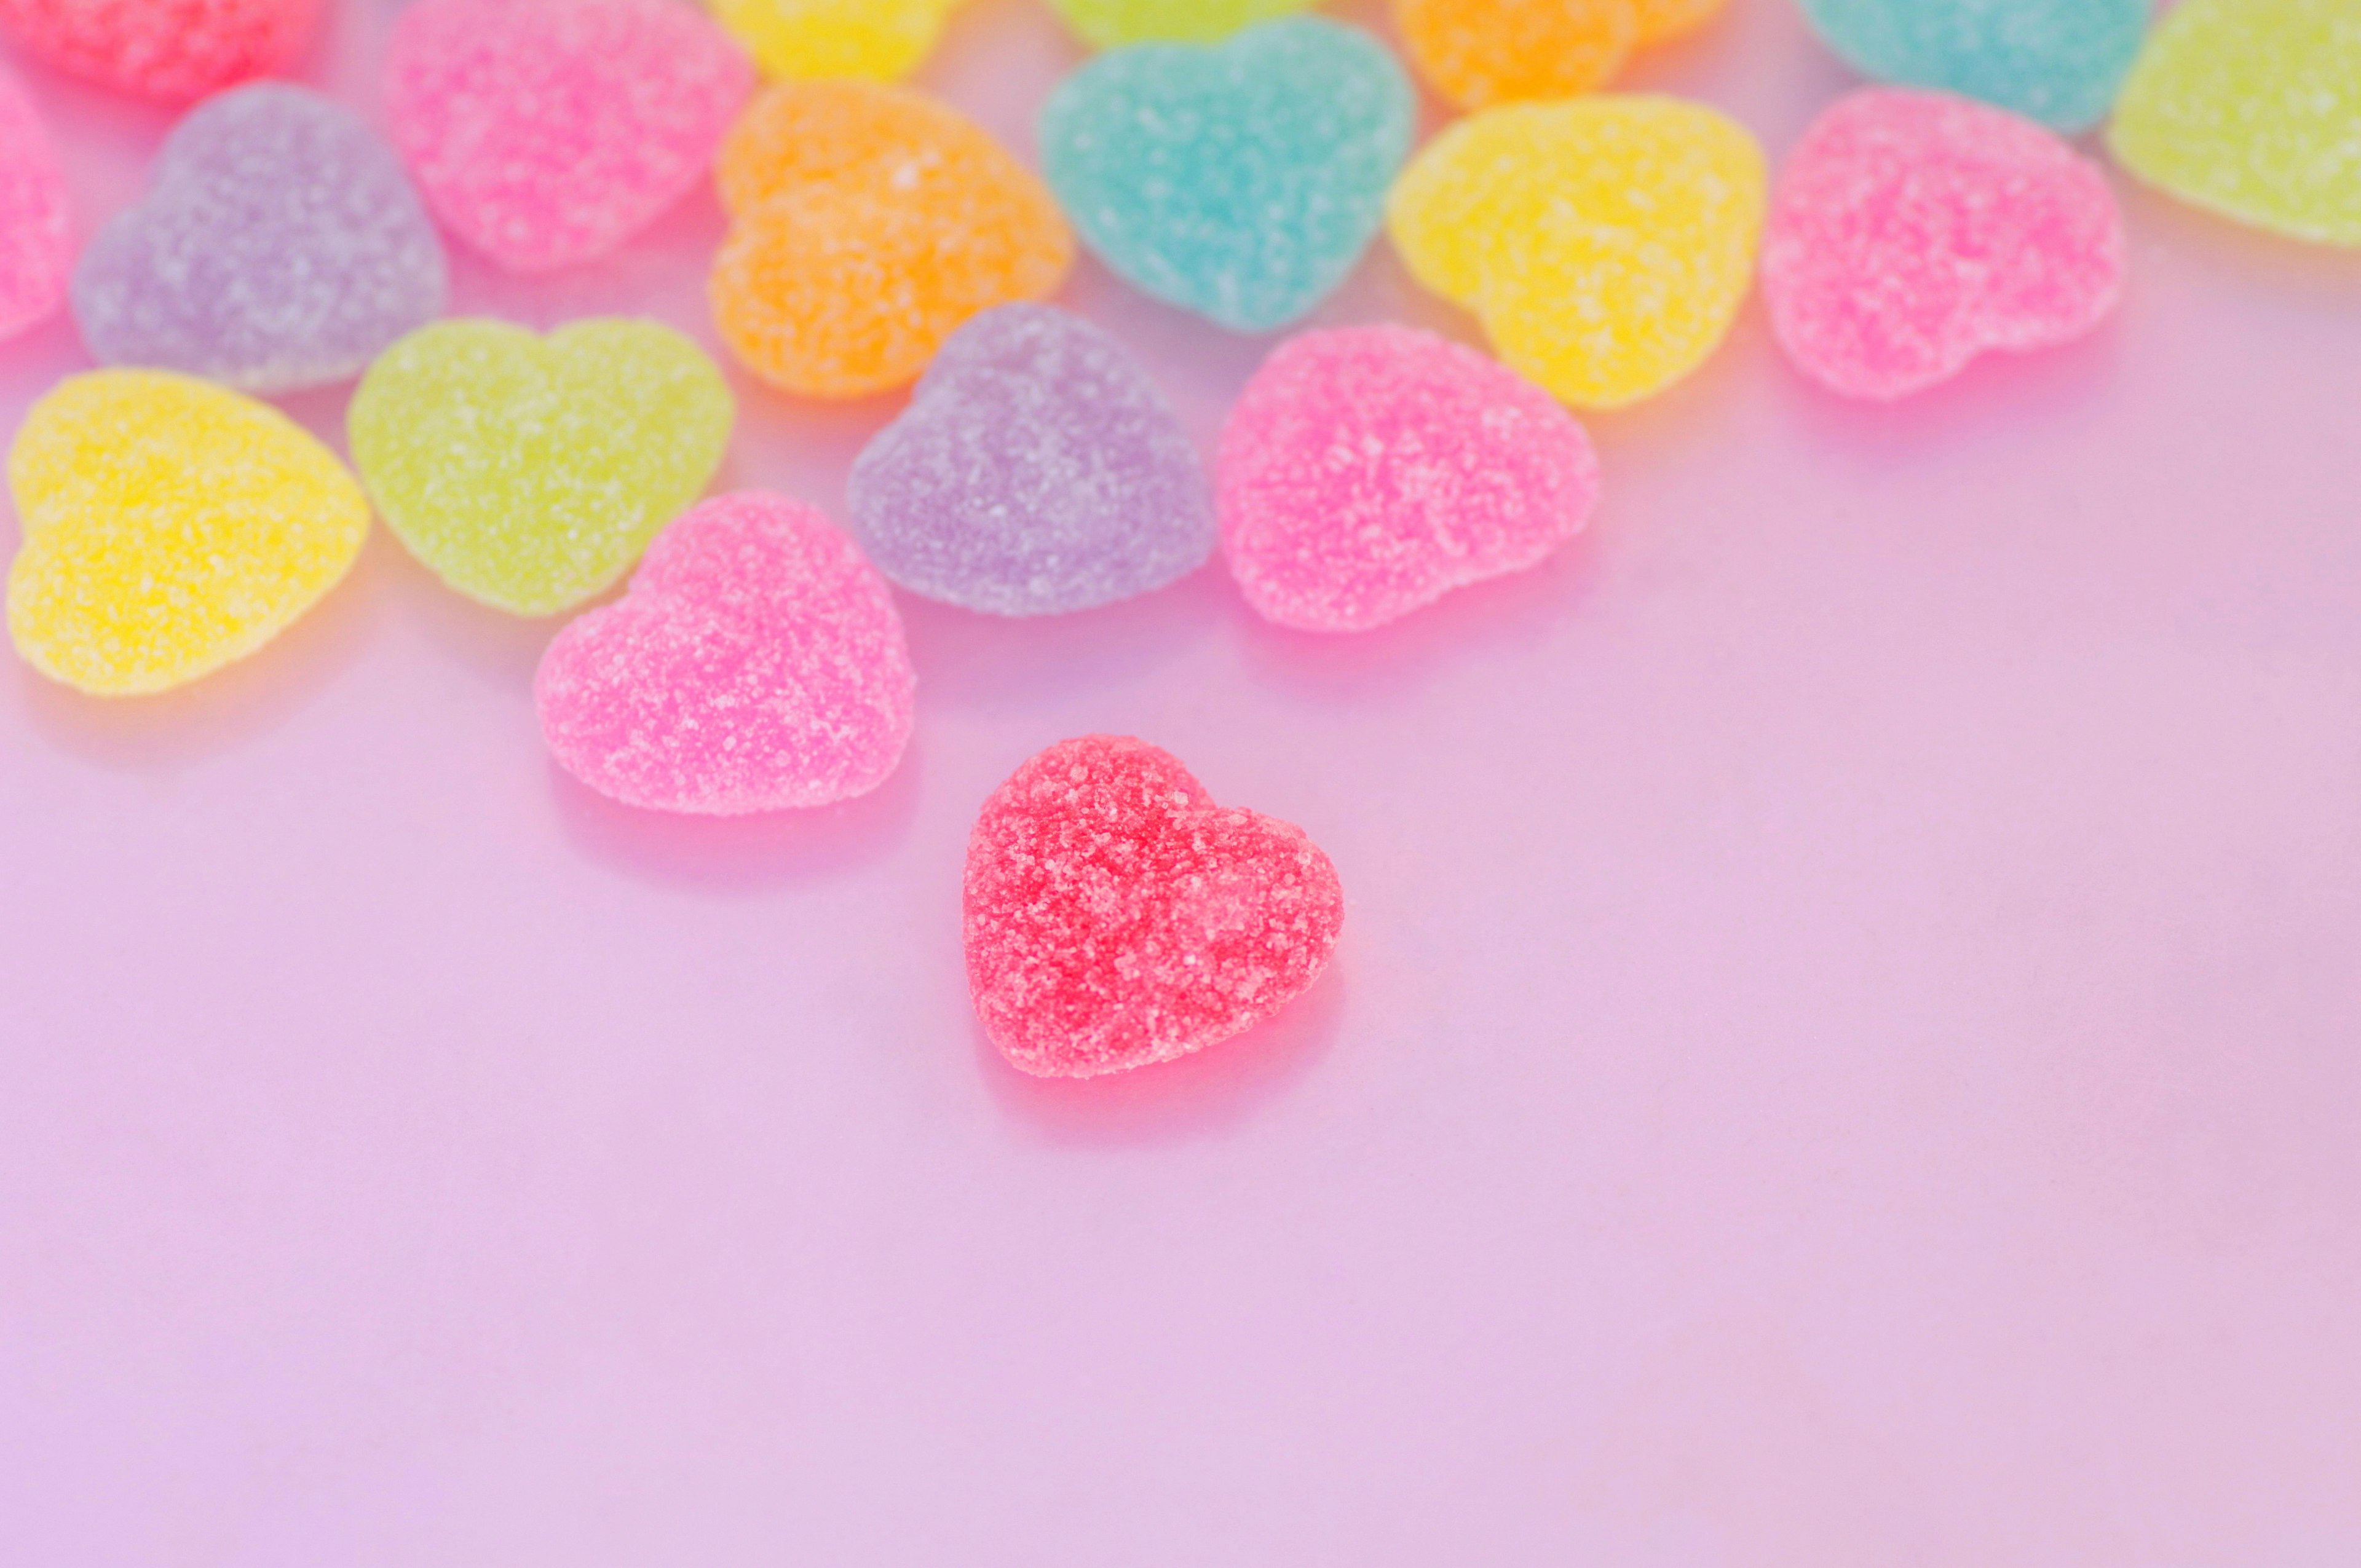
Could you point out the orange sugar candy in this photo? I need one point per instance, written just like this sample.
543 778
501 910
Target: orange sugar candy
867 225
1481 52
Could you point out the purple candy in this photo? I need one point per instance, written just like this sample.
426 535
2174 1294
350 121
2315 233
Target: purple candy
280 247
1037 472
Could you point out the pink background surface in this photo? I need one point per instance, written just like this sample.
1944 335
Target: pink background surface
1843 1054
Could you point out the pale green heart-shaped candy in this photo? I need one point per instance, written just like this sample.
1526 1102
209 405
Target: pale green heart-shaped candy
530 473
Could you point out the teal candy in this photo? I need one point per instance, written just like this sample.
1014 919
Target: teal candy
1241 180
2057 61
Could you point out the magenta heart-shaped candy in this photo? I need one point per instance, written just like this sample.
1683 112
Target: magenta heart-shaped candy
36 241
548 132
756 665
1913 232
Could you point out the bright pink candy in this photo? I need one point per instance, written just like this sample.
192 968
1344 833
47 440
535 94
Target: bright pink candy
1116 917
548 132
1913 231
171 50
1368 472
36 239
757 664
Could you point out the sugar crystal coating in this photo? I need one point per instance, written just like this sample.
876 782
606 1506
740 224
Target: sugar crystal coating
546 133
1242 181
35 232
171 50
1478 52
868 224
2059 61
1605 243
280 247
756 665
1663 21
1913 231
1037 471
1368 472
868 40
170 527
1116 917
529 473
1111 23
2252 109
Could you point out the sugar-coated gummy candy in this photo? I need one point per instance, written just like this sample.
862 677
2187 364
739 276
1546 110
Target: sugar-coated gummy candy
756 665
1662 21
279 245
2059 61
1913 231
1370 471
1116 917
529 473
867 225
36 224
171 50
546 133
1111 23
1037 471
1241 180
867 40
2252 108
1479 52
170 528
1605 243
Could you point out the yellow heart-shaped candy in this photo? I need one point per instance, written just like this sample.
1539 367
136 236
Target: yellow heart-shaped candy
864 40
1605 243
170 528
530 473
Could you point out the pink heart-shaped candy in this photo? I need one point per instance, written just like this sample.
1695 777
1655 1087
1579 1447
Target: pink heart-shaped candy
548 132
174 52
757 664
36 241
1370 471
1915 231
1116 917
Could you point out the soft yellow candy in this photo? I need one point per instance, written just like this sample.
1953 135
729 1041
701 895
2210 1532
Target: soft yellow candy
1605 243
170 527
867 40
530 473
2252 108
1111 23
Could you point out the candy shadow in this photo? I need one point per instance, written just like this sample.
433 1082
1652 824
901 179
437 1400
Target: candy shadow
2300 272
742 855
225 710
500 648
1997 396
1209 1094
1463 627
968 660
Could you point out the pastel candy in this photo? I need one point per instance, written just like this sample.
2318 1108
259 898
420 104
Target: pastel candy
1479 52
868 224
1242 181
1116 917
170 527
529 473
1368 472
1037 471
1605 243
870 40
36 238
756 665
1663 21
171 50
2059 61
1913 231
280 247
2252 108
546 133
1111 23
